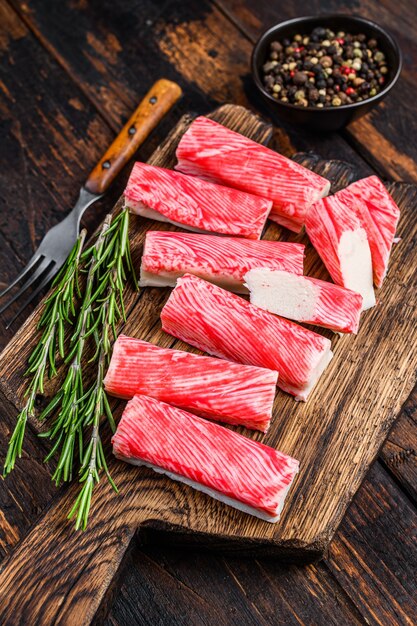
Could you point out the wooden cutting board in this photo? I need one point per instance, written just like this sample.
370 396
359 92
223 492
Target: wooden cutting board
336 435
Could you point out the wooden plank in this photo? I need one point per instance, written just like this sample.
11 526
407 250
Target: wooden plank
347 419
382 135
190 42
399 453
374 565
165 586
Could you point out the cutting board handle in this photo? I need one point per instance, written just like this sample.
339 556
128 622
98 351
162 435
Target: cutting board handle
157 102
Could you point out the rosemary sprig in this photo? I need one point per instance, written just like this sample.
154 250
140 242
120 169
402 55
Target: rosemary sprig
59 309
109 310
102 306
66 429
96 406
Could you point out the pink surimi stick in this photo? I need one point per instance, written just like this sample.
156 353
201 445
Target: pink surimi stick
305 299
213 152
221 260
337 234
379 216
238 471
223 391
194 204
226 325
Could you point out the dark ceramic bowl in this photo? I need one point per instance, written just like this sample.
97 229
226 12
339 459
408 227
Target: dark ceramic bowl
331 118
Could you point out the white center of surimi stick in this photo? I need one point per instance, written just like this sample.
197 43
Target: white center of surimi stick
283 293
356 264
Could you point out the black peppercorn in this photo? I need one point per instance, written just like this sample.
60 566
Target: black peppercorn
300 78
276 46
314 95
319 32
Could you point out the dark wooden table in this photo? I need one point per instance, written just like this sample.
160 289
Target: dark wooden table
70 73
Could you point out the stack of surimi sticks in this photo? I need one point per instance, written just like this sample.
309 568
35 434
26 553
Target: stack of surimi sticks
228 185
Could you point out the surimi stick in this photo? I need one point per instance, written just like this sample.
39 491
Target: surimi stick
226 325
227 392
305 299
238 471
213 152
379 216
337 234
194 204
221 260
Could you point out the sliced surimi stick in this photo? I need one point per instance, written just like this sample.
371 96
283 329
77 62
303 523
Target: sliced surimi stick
194 204
226 325
341 241
221 260
214 388
238 471
213 152
379 216
305 299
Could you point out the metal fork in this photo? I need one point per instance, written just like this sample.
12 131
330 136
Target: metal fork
59 240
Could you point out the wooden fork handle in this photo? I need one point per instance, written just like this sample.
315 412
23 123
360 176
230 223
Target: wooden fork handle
157 102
